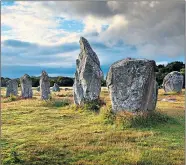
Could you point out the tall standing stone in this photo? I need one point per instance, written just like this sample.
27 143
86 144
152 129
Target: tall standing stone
173 82
132 85
26 86
12 88
88 76
44 86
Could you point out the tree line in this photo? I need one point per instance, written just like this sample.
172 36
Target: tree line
161 72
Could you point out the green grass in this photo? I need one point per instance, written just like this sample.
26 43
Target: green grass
56 132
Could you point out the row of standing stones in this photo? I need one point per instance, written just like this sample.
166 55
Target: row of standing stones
131 82
26 87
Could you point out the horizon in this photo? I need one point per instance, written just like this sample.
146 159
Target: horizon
40 36
53 76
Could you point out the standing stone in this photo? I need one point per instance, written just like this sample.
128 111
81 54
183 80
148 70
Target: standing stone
88 76
26 86
132 85
55 88
173 82
155 95
12 88
44 86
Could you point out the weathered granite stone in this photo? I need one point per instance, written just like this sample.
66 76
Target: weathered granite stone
155 96
88 76
44 86
132 85
26 86
173 82
55 88
12 88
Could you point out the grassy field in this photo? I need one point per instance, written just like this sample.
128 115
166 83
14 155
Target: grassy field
36 132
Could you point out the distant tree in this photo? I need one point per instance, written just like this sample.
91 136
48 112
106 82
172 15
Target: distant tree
164 70
52 82
161 66
175 66
35 81
103 82
65 81
3 82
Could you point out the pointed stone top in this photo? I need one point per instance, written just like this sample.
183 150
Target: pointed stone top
44 76
86 50
82 39
26 76
44 73
84 44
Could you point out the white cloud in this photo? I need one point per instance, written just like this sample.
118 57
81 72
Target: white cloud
157 24
155 28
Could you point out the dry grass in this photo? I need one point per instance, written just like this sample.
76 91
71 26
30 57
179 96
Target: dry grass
36 132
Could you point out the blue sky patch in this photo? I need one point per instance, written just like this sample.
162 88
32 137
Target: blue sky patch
70 25
7 2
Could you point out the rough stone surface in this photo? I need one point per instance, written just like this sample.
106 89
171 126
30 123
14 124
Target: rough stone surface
44 86
26 86
88 76
173 82
132 85
155 95
55 88
12 88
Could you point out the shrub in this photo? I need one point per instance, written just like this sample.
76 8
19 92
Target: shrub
61 103
149 120
12 98
50 97
131 120
13 158
55 103
93 105
109 116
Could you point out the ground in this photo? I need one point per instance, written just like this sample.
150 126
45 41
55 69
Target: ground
36 132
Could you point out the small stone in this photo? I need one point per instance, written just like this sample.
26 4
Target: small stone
173 82
55 88
26 86
12 88
44 86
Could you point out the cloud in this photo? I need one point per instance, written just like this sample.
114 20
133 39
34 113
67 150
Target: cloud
153 23
29 54
47 33
16 43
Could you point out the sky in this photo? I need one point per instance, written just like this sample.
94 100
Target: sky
45 35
